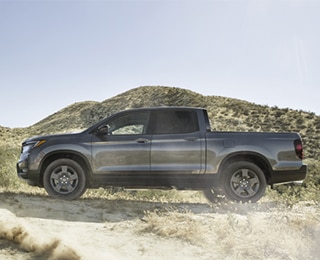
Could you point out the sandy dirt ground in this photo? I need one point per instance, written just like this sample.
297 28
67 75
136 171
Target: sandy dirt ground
38 227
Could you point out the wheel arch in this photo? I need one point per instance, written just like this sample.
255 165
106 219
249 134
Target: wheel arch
83 162
254 158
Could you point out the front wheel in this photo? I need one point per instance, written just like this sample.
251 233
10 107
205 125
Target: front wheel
243 182
64 179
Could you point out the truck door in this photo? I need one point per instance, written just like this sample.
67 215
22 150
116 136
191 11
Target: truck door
176 145
122 144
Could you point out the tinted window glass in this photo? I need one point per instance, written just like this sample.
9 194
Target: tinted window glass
173 122
130 124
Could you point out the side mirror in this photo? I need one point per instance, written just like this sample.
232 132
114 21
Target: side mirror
102 130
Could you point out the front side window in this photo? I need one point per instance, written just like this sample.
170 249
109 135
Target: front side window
128 124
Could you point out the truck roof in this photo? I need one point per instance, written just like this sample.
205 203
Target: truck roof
163 108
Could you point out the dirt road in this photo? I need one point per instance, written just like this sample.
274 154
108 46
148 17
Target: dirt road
38 227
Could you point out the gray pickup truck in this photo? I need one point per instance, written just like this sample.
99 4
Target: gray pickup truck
163 147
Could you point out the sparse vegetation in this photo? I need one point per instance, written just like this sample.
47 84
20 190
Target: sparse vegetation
225 114
117 226
235 236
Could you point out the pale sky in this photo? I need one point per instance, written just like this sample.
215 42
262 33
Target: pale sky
56 53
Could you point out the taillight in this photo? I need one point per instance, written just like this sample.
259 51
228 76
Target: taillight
298 148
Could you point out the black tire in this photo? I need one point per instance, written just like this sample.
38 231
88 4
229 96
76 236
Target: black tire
243 182
64 179
214 196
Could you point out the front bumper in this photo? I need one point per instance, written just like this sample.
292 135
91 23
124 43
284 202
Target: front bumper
32 178
22 169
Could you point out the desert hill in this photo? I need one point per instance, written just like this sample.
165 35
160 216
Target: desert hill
148 221
103 222
225 114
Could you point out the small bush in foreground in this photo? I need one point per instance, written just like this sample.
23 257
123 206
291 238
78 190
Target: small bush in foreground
8 177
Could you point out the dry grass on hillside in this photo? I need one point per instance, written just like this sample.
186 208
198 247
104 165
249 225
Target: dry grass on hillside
151 224
226 114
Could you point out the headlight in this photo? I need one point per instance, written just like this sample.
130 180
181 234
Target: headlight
27 146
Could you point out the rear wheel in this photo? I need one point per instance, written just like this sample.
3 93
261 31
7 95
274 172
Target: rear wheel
64 179
243 182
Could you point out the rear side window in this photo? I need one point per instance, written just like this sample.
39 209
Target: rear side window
173 122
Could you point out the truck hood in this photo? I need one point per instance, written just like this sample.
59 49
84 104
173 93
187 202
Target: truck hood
53 136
